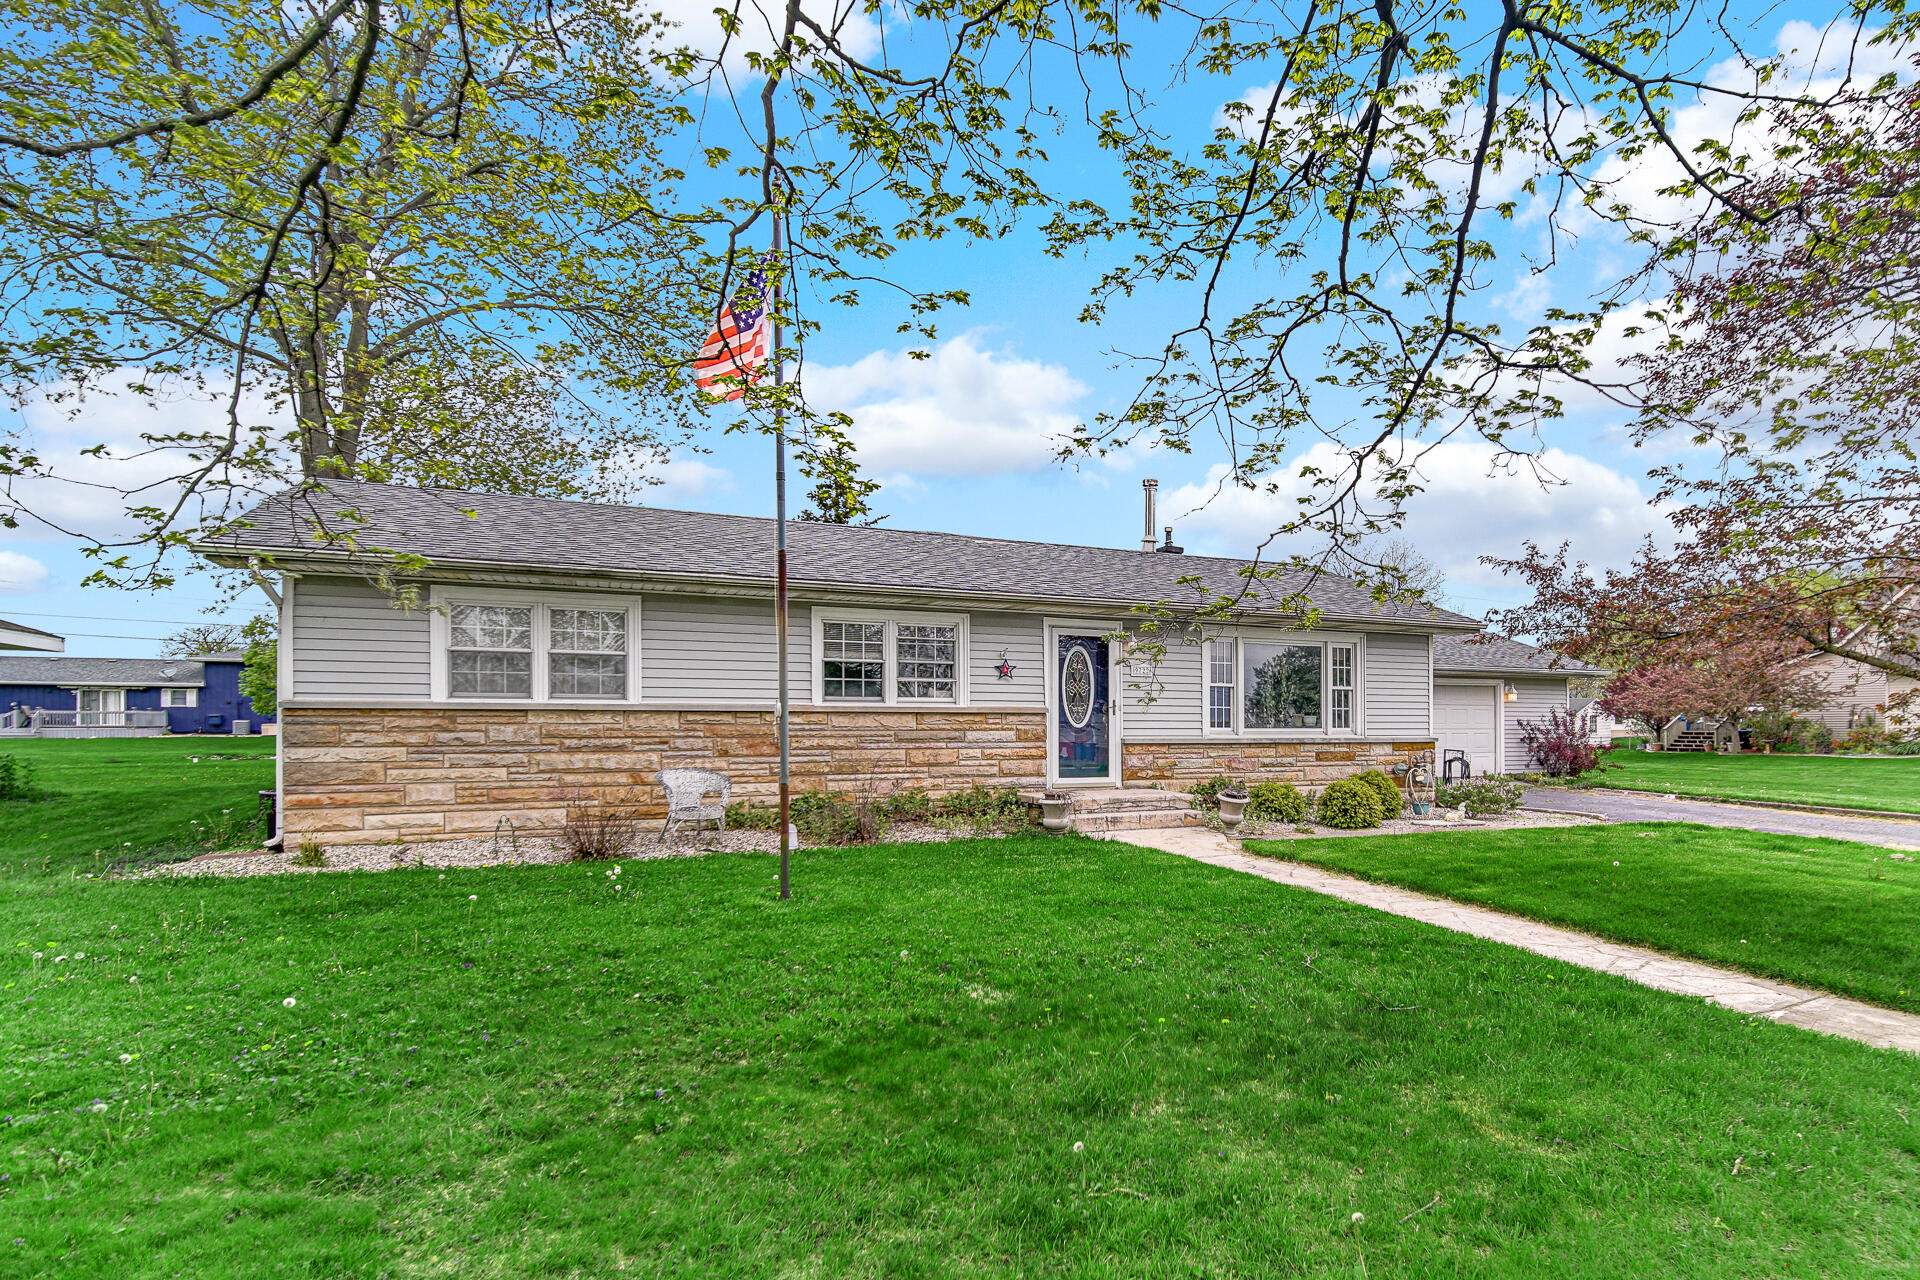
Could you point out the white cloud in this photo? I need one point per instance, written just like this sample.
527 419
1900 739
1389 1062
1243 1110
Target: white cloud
20 572
683 477
963 411
88 493
1470 507
696 25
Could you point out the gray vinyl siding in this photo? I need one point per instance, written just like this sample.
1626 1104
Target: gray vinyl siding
1165 698
350 642
719 649
1398 689
1023 638
1535 698
1853 691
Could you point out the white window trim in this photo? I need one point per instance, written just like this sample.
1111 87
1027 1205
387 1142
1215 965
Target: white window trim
443 598
1323 640
889 685
119 698
168 704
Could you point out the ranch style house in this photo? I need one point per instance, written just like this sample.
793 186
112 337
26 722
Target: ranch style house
536 657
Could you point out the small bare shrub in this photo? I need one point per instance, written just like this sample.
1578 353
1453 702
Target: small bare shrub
598 835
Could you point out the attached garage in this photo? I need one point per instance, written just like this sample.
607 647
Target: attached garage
1466 717
1485 687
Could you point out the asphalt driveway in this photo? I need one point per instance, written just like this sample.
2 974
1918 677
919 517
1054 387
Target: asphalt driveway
1617 806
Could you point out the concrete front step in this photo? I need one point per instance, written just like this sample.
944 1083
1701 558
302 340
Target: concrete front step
1101 822
1100 799
1099 810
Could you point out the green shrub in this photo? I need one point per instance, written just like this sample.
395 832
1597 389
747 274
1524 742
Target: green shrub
744 815
1388 791
1349 805
1275 802
1908 748
1481 797
1812 735
983 808
16 780
912 805
824 817
1208 792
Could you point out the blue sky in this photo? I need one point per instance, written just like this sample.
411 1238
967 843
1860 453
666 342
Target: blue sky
963 441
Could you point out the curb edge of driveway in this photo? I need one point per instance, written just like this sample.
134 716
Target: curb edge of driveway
1785 805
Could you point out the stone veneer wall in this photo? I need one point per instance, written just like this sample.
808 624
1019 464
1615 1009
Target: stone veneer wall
438 773
1305 764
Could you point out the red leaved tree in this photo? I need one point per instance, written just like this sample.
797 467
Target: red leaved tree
1726 683
1795 355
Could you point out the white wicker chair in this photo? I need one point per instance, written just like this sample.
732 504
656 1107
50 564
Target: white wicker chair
685 789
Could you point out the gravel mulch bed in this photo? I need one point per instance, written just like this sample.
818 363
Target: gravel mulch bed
489 851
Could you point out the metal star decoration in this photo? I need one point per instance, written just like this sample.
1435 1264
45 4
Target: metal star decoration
1005 668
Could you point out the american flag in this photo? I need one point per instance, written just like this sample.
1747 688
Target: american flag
738 348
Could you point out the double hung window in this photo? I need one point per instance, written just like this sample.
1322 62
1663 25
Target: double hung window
587 653
854 660
1281 687
490 651
890 660
532 650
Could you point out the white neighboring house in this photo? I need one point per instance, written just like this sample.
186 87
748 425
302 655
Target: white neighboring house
1858 693
17 637
1484 686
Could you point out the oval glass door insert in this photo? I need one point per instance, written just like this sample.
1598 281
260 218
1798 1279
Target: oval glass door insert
1076 688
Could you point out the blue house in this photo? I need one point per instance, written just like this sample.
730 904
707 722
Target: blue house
125 697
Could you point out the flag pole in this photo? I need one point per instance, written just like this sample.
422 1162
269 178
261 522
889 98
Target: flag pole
780 581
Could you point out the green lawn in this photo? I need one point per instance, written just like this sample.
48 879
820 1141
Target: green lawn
1889 784
1830 914
557 1071
115 798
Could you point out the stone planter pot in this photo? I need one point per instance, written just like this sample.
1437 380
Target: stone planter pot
1054 812
1233 808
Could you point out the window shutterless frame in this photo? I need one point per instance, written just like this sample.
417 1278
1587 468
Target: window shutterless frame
577 634
1222 687
847 637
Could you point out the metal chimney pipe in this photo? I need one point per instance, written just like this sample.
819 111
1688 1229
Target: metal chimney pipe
1148 542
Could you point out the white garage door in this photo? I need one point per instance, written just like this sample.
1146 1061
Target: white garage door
1466 717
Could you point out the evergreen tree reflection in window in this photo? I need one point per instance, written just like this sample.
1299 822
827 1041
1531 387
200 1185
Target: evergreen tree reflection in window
1282 684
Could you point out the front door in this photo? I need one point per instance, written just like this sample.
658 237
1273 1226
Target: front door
1083 725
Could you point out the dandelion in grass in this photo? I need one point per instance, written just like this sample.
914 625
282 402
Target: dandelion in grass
289 1002
125 1058
1359 1218
1079 1147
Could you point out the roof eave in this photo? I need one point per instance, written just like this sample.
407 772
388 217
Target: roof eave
312 561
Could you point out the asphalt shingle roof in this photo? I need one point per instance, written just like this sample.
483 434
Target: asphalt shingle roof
128 671
550 534
1497 654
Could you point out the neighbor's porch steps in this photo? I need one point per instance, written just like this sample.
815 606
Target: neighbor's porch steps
1693 740
1099 810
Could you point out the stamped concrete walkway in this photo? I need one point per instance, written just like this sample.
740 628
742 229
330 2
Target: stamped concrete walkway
1891 832
1761 997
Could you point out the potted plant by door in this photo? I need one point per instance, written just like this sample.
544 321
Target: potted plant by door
1233 806
1054 808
